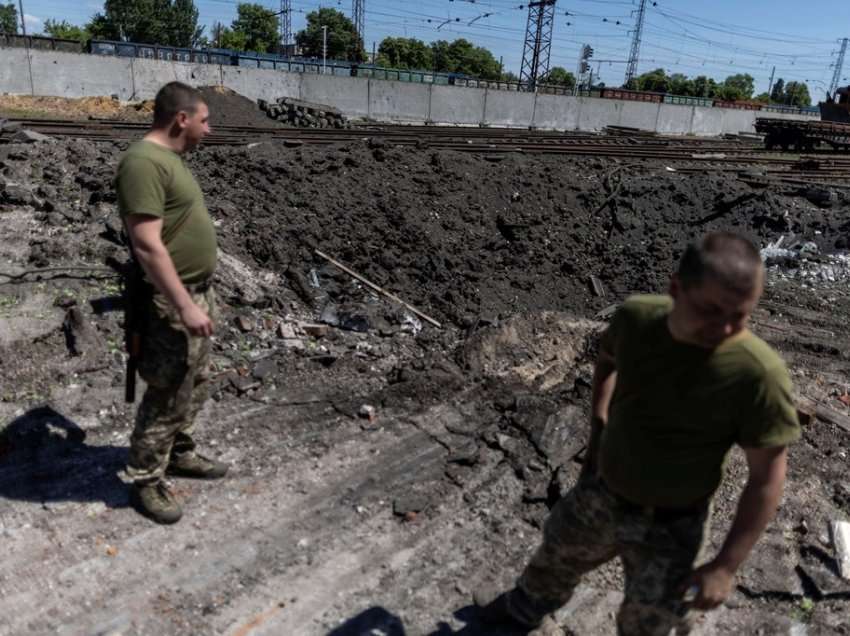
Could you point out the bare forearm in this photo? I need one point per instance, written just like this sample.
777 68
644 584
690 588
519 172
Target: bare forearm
756 509
159 267
604 380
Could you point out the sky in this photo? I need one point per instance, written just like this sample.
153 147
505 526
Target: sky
717 38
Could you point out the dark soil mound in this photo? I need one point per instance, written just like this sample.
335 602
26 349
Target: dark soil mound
228 108
459 235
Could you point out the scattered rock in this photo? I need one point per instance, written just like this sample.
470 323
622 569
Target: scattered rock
412 503
263 369
29 137
315 331
244 324
79 334
286 331
368 412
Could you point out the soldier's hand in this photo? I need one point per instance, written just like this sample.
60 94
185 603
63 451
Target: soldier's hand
713 584
196 320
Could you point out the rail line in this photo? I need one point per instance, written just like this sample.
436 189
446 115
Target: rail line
687 154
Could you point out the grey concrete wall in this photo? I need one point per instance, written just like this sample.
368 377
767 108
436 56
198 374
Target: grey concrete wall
673 118
707 121
595 114
507 109
643 115
76 75
458 106
556 112
258 83
14 72
348 94
148 76
399 101
735 121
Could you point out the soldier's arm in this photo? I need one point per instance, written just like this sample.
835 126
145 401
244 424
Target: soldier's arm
146 236
756 508
604 381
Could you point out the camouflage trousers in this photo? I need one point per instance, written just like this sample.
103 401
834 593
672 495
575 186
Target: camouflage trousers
589 527
175 366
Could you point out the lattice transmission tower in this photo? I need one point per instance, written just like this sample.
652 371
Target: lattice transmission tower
839 68
631 67
286 24
358 16
538 43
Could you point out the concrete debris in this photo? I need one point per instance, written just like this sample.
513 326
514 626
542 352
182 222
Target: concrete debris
412 503
315 331
304 114
597 286
263 369
840 531
244 324
367 412
286 331
29 137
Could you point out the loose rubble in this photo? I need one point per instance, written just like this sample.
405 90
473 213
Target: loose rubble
296 112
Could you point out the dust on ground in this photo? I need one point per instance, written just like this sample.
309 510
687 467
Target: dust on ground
39 107
336 523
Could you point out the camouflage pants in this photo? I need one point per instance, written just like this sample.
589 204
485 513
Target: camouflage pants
590 526
175 366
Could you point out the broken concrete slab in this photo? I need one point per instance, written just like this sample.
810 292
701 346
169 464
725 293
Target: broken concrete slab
840 532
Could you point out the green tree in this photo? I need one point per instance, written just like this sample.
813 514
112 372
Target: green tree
778 92
797 94
405 53
66 31
681 85
166 22
559 76
259 26
8 18
226 38
763 98
704 87
655 81
343 41
737 87
461 56
507 76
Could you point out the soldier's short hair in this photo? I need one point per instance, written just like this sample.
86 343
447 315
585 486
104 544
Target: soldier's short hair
173 98
727 258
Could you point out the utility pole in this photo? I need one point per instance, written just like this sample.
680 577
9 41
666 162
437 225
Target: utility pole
324 50
839 68
358 16
538 43
631 69
23 21
286 25
770 86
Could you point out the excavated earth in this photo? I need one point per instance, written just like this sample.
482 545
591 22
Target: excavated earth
334 522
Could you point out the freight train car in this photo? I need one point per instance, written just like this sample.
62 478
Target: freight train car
833 129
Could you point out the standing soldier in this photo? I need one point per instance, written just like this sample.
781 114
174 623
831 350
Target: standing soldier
173 240
679 381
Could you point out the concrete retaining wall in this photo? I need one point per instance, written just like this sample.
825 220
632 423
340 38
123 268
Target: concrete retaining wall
76 75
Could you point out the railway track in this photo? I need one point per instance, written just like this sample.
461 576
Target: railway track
682 153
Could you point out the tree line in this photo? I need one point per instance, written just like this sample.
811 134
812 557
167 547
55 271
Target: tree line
738 87
255 28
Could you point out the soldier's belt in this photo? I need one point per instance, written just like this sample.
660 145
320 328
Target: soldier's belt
662 514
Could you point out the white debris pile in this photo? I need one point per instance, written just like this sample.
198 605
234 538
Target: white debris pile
803 261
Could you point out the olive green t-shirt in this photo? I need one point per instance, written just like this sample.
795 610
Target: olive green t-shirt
155 181
677 408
